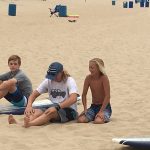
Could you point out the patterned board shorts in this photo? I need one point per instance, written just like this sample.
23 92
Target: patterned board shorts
94 109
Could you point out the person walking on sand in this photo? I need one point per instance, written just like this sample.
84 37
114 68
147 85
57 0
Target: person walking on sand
100 109
62 90
15 86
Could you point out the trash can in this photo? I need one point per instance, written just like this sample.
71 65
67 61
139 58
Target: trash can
147 3
12 10
113 2
130 4
62 11
125 4
142 3
57 8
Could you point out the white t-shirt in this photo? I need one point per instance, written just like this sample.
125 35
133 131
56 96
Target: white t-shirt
59 91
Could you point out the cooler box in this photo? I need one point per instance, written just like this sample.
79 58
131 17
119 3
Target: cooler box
12 10
62 11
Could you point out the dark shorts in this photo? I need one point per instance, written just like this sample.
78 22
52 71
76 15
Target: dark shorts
94 109
17 98
65 114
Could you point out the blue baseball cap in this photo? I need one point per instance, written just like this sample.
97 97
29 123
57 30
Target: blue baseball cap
53 70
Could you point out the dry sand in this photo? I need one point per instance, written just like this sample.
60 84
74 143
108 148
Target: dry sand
121 37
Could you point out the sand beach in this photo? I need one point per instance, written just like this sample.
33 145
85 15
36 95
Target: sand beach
121 37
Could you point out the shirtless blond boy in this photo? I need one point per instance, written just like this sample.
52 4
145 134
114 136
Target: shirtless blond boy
98 82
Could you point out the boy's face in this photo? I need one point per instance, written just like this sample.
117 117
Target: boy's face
58 77
93 68
14 65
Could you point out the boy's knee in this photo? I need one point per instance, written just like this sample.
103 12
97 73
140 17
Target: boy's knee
11 87
98 121
79 120
82 119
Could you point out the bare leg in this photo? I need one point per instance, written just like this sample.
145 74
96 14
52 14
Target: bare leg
82 119
4 89
26 122
41 120
3 93
37 113
99 119
11 119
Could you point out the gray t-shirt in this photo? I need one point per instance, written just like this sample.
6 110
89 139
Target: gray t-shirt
23 82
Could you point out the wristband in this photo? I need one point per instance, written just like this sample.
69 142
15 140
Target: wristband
57 107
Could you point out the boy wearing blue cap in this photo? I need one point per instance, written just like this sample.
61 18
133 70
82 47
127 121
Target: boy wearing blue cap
62 90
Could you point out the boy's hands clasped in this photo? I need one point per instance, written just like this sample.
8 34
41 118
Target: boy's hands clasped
100 115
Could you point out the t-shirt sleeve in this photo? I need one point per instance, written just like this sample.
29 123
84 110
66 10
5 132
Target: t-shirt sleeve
43 87
4 76
72 86
20 77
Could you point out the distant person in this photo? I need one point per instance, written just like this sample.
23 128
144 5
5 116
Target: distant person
62 90
55 10
15 86
98 82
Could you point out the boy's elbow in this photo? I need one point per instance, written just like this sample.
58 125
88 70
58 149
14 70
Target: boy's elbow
83 96
74 98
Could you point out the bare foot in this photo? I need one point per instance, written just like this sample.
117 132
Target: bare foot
26 122
11 119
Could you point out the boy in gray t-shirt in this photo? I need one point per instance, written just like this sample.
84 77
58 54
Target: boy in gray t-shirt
15 86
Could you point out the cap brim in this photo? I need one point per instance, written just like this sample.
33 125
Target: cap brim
51 77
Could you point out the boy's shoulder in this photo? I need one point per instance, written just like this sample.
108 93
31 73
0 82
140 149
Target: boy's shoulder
102 77
88 76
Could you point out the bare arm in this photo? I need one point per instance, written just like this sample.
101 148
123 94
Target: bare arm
1 81
84 93
32 98
106 86
68 102
29 110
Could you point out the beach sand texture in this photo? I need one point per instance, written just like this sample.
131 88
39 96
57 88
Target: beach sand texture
121 37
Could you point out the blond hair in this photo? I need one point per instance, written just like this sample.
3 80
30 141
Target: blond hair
99 62
65 75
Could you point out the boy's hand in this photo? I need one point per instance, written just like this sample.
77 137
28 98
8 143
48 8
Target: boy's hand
29 111
100 115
